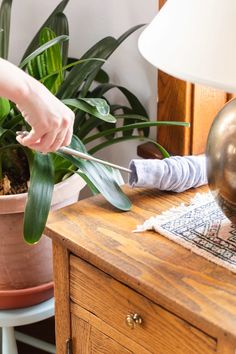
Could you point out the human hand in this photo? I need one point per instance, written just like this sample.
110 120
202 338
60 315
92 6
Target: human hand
51 121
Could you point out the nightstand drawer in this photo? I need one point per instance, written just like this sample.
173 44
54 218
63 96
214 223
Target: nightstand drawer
133 315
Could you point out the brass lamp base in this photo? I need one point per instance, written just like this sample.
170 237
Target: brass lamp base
221 159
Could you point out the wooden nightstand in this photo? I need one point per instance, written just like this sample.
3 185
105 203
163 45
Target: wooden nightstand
119 292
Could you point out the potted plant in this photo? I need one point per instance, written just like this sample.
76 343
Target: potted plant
31 182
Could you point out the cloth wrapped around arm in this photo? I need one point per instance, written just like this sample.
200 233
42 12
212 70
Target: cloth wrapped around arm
176 173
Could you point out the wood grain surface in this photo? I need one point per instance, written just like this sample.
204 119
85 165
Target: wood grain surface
105 328
184 283
61 292
159 332
88 340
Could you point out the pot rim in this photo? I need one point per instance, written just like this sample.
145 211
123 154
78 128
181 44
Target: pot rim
24 195
15 203
25 291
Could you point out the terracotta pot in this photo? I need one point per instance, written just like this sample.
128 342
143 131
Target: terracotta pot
26 270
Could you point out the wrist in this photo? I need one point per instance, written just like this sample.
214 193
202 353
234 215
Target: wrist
23 89
14 83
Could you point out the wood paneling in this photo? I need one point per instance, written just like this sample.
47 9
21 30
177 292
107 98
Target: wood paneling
194 104
169 274
103 327
80 335
113 271
62 309
174 104
205 103
88 340
161 331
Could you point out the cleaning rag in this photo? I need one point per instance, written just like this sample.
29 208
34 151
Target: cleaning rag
175 173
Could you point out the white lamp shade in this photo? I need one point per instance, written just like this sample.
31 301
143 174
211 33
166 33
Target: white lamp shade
194 40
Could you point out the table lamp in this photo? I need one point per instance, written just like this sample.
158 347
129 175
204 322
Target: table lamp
195 40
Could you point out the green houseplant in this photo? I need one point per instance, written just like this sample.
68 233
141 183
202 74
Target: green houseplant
71 80
46 58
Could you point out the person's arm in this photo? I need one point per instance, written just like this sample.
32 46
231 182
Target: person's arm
51 120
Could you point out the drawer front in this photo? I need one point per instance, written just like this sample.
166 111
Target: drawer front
132 314
87 339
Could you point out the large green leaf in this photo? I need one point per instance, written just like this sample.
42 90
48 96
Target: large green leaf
85 127
6 133
126 138
5 19
80 116
60 26
62 167
131 116
135 104
13 122
102 77
89 80
50 21
99 103
3 132
91 109
37 67
78 75
87 73
69 66
131 127
39 197
91 186
100 176
105 182
77 144
53 60
5 108
42 48
125 35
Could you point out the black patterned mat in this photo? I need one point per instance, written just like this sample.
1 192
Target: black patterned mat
201 227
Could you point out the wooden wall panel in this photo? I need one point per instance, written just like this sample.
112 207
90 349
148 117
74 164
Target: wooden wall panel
161 3
206 103
195 104
174 104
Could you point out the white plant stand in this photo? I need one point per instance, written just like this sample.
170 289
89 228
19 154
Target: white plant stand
23 316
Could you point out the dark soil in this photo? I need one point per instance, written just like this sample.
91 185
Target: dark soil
11 186
15 180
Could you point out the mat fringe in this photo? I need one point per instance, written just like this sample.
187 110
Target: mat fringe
200 199
151 223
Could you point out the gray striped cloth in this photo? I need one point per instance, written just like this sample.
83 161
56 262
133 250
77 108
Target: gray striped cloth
176 173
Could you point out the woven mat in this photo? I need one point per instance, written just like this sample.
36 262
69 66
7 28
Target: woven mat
199 226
